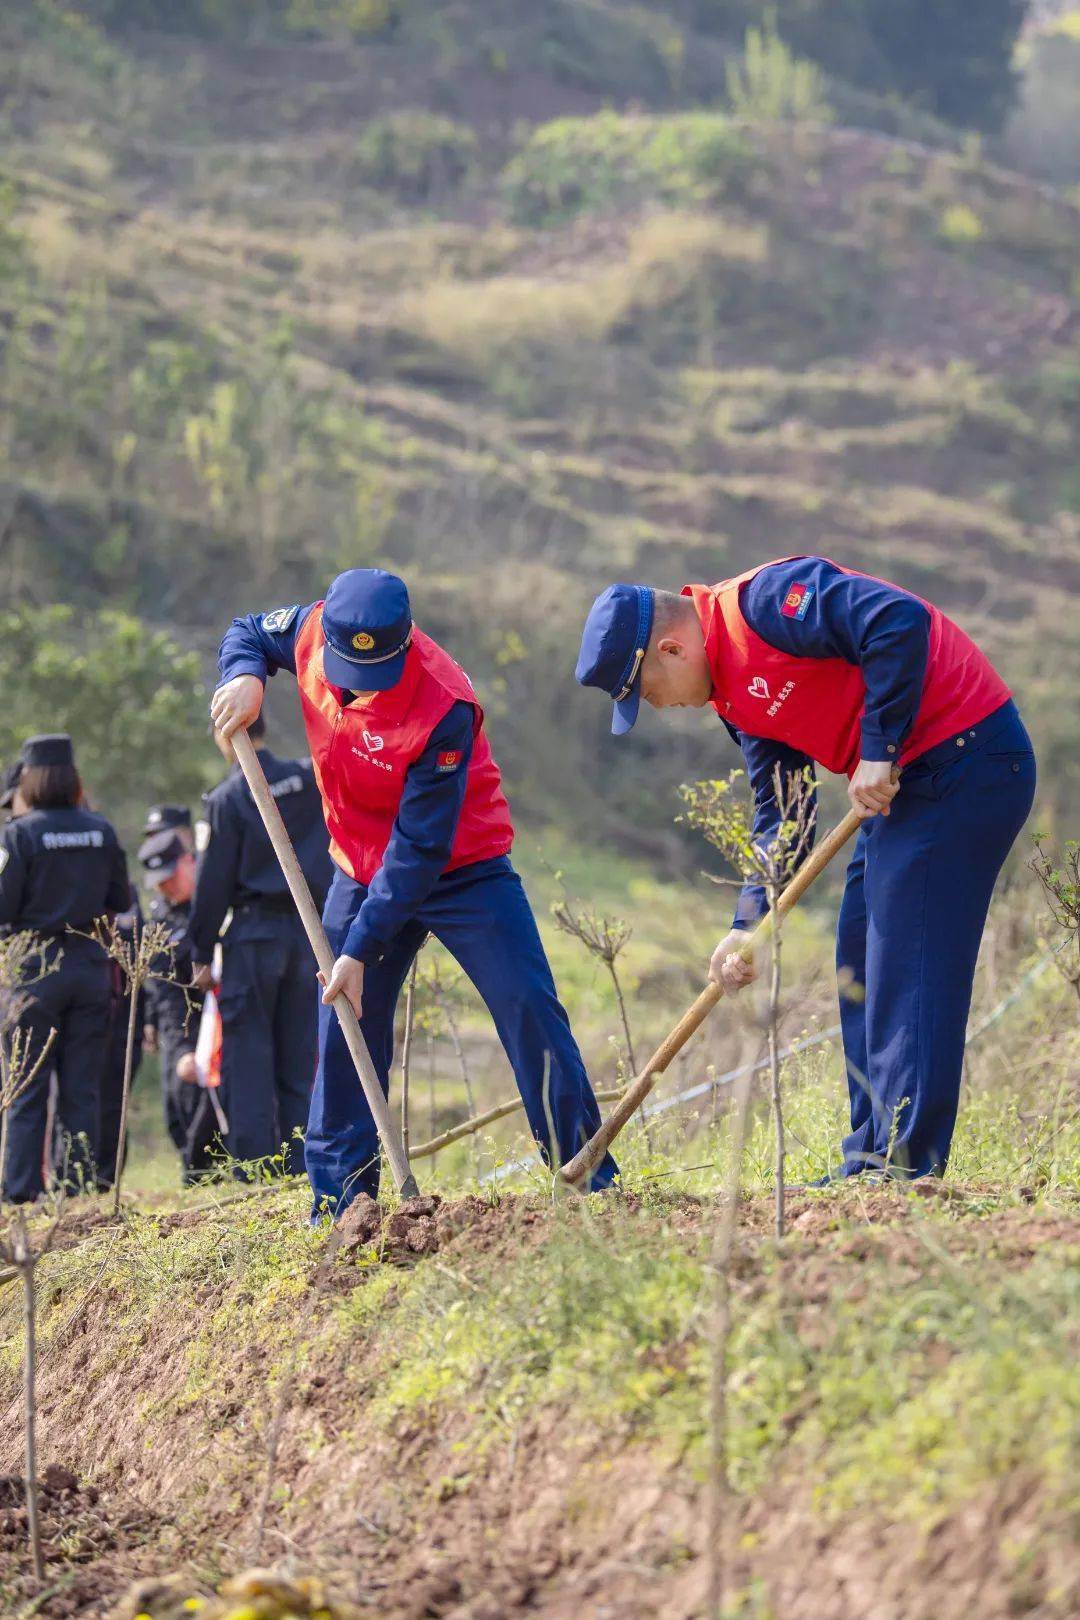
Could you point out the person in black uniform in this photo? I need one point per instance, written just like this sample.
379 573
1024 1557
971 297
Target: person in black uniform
9 797
174 1006
268 997
61 868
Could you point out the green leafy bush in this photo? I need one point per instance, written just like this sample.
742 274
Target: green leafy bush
417 154
771 84
574 165
131 697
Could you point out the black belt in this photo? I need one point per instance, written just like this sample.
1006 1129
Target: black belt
280 904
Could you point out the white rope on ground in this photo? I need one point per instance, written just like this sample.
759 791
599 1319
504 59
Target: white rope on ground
651 1110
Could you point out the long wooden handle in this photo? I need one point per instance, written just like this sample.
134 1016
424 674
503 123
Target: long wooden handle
584 1162
394 1148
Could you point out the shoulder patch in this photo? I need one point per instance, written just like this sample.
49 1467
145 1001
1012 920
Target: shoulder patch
202 835
797 602
280 619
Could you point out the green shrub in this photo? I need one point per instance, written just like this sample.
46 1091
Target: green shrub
414 153
574 165
771 84
960 225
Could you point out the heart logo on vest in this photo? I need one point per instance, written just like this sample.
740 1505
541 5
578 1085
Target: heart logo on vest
759 687
372 743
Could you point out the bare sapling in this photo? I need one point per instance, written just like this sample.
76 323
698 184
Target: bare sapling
1061 886
768 862
17 1250
19 1068
720 1333
24 960
147 954
605 938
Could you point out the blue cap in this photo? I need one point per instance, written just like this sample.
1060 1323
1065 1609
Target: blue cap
613 645
367 623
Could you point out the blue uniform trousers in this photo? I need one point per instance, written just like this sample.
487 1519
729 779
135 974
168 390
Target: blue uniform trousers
917 894
73 1000
268 1003
481 914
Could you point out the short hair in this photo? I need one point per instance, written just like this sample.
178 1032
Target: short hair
257 727
51 787
669 611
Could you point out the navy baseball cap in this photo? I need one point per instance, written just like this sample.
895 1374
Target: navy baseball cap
613 646
367 623
162 854
161 816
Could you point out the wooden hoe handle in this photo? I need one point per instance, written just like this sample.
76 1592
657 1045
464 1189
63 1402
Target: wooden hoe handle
584 1162
393 1147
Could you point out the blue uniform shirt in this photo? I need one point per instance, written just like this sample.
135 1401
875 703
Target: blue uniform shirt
882 629
238 865
60 869
423 834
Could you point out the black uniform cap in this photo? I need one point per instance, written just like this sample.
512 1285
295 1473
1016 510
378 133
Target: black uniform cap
161 854
11 779
51 748
161 816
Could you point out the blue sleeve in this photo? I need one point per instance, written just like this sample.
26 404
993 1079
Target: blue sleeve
762 757
884 630
422 838
215 880
262 643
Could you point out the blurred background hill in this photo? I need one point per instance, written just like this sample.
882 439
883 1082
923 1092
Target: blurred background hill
517 299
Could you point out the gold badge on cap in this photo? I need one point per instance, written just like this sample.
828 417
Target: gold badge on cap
363 641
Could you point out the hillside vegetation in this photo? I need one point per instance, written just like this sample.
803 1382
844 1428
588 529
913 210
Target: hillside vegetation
511 306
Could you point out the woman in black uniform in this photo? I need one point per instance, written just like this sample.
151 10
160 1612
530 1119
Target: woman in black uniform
61 867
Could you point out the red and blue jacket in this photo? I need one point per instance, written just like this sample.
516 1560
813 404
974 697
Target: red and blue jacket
409 786
812 662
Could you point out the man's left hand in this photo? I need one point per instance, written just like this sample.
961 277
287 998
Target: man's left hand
346 979
872 789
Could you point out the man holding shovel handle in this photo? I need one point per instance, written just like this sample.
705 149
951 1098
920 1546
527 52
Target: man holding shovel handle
804 660
420 835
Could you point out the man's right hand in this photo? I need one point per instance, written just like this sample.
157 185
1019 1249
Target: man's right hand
202 976
727 967
237 703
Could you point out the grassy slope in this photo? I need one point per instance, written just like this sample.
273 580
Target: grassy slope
519 1420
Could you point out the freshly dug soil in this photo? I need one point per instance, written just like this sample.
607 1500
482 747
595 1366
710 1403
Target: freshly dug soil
86 1541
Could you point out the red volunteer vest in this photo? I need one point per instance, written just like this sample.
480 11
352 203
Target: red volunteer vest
361 755
816 704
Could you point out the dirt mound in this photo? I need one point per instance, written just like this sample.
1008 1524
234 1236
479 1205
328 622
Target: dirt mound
78 1528
367 1234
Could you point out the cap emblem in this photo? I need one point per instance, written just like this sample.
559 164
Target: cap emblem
363 641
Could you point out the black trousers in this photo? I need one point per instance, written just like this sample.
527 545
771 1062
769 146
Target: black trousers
74 1000
269 1018
189 1114
112 1084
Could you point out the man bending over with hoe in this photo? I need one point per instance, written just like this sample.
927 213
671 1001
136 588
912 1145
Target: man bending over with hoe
420 834
804 660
